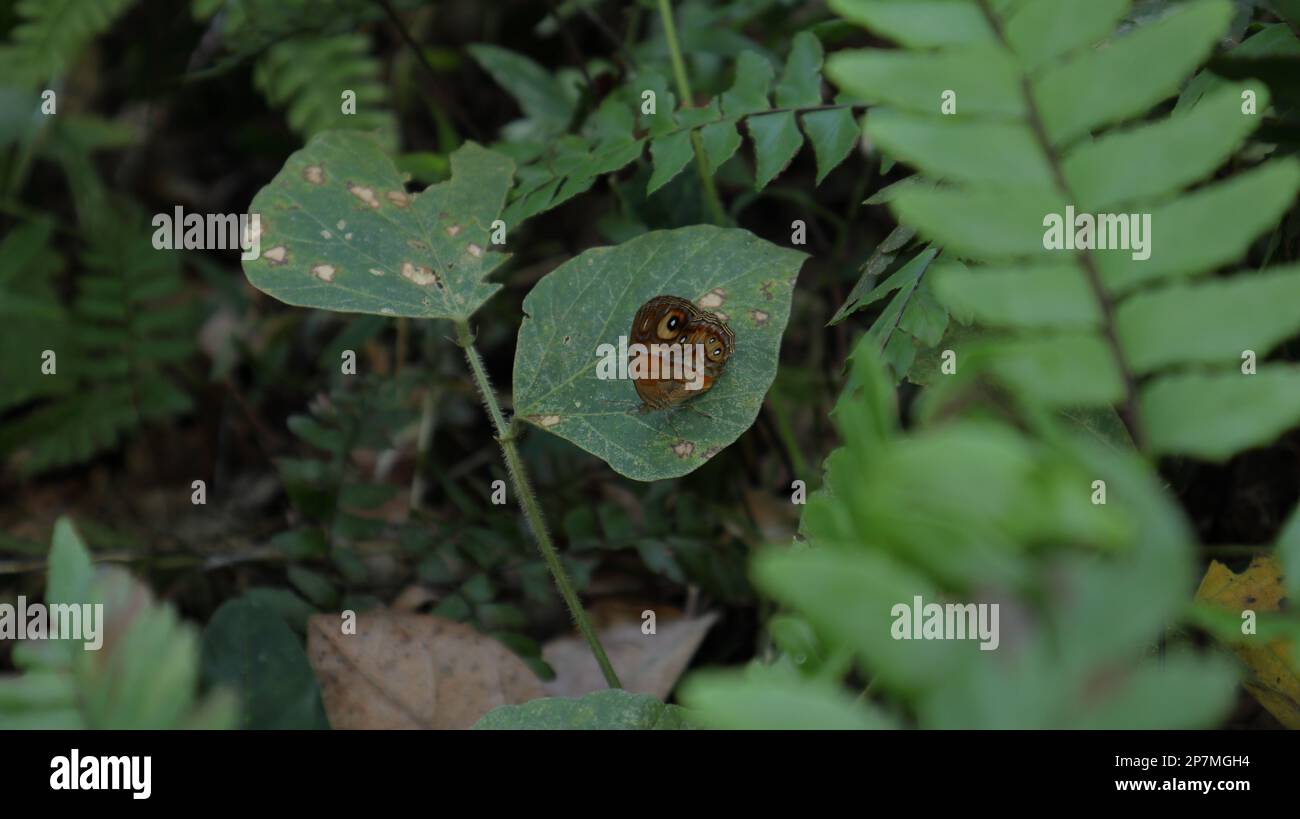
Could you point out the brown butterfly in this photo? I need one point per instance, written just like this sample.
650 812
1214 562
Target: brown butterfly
672 320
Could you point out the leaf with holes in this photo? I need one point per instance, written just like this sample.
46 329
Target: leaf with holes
338 231
590 301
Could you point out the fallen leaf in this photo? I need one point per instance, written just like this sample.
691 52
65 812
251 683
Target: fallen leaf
1259 588
412 671
645 663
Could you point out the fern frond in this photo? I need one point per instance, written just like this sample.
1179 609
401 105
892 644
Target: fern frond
617 133
111 349
307 76
1040 125
51 35
64 686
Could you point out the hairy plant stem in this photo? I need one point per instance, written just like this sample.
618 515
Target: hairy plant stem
506 435
711 199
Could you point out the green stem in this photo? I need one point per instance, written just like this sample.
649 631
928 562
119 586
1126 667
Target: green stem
528 501
684 91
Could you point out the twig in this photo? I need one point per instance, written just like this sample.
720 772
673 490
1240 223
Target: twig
444 100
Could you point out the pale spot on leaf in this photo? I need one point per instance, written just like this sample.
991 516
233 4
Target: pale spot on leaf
475 251
376 271
453 230
342 224
683 449
713 298
365 194
324 272
388 311
759 317
325 234
314 174
549 421
399 198
276 255
419 274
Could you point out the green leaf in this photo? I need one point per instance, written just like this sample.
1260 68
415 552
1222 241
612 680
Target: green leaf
989 153
865 292
313 585
1047 296
1159 158
981 223
801 80
1130 74
1216 416
339 232
776 140
248 645
1205 229
1183 691
70 569
984 78
832 134
920 23
537 91
1209 323
591 299
749 92
849 596
1070 369
670 153
1042 30
736 701
720 141
614 709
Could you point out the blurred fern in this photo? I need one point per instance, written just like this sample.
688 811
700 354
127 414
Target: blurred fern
110 348
1092 328
987 496
145 675
307 54
307 76
51 34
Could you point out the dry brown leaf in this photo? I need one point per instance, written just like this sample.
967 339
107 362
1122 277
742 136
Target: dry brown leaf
645 663
412 671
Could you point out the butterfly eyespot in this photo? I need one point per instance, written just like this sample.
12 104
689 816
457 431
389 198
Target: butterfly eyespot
674 320
669 325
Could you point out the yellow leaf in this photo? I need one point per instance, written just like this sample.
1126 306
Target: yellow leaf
1259 588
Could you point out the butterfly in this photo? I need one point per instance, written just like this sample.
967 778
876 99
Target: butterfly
672 320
